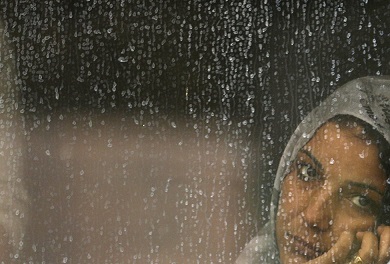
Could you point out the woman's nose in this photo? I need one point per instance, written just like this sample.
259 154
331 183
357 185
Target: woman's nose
319 210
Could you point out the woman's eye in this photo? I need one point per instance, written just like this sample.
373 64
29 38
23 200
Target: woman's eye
306 172
365 203
361 201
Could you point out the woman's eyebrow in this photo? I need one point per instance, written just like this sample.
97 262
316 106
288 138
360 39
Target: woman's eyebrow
364 186
313 158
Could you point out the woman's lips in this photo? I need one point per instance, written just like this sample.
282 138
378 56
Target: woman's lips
302 247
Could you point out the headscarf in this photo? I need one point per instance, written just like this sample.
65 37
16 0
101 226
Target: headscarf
367 99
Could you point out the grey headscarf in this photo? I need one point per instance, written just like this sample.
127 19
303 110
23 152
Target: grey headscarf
366 98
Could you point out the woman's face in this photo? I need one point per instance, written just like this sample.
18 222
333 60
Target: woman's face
335 184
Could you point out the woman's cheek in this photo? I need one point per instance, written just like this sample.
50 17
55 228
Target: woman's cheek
347 220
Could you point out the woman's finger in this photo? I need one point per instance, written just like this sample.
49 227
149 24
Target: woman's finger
369 249
339 252
384 244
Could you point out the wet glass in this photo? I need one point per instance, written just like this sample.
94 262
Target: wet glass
150 131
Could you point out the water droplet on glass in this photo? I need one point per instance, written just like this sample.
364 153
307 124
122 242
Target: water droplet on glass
123 59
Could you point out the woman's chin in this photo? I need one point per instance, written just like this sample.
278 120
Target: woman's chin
294 258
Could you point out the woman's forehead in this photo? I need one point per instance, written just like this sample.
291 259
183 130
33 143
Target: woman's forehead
341 133
341 151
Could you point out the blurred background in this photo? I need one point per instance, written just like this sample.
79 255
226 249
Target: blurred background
152 130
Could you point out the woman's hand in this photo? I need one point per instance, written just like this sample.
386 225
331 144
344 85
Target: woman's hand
384 244
372 249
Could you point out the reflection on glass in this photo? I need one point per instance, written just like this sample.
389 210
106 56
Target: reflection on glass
13 192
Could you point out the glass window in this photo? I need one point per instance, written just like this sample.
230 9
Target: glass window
140 131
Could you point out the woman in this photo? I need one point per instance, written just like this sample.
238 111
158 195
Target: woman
331 194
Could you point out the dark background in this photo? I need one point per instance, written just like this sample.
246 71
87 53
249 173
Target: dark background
238 60
244 71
